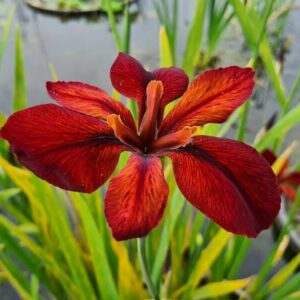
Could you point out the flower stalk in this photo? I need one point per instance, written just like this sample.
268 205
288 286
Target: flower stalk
141 247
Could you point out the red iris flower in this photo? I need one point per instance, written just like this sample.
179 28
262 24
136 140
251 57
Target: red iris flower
76 147
288 181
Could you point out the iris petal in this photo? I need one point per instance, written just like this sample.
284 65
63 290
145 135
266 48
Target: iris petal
175 83
68 149
130 78
88 99
136 198
229 182
124 133
149 126
173 140
211 98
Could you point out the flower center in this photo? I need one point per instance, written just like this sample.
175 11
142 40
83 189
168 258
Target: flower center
146 140
173 140
125 134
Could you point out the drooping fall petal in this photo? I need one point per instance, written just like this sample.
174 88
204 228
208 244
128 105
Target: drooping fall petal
229 182
175 82
88 99
211 98
269 156
136 197
68 149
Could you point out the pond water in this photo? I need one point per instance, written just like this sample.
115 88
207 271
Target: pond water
82 49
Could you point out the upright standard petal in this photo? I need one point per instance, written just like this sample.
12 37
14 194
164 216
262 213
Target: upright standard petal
229 182
175 83
136 198
130 79
211 98
68 149
88 99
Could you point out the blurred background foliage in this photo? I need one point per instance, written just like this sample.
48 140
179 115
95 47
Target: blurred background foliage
57 245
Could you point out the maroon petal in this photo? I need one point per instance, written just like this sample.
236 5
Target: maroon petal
229 182
211 98
175 82
88 99
130 79
269 156
136 198
68 149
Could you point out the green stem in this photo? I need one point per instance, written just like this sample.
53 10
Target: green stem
141 247
113 25
241 135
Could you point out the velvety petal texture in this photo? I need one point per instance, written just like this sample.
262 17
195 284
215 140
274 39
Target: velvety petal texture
68 149
211 98
228 181
136 197
88 99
